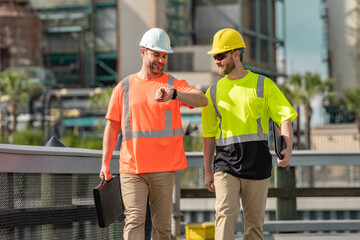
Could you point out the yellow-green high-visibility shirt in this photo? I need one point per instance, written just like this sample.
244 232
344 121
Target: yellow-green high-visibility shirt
243 108
237 116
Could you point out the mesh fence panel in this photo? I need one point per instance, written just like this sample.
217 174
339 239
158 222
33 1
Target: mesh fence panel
51 206
60 206
308 208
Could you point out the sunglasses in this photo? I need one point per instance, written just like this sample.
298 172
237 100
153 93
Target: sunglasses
221 56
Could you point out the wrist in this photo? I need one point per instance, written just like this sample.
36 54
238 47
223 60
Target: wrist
174 94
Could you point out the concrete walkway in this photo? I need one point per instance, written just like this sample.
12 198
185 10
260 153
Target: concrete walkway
310 236
307 236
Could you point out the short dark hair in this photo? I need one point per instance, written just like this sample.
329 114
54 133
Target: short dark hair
241 50
241 54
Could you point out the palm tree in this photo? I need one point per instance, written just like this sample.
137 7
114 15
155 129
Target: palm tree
330 95
351 103
301 89
292 89
15 85
313 85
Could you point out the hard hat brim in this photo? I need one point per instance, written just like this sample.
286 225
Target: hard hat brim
158 49
217 51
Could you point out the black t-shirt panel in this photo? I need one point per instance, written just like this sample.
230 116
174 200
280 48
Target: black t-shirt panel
250 160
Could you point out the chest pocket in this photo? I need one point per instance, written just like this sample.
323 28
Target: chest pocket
256 107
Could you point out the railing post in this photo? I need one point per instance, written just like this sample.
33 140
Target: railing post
286 207
55 190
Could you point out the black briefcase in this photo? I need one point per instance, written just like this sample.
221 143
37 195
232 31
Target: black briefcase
108 201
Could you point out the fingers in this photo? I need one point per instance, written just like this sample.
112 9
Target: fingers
159 94
163 94
211 188
286 158
283 162
104 175
108 177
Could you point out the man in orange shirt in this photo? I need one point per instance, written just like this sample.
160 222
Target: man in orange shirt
146 107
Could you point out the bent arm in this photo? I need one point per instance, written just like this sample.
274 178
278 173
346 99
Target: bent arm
193 98
111 133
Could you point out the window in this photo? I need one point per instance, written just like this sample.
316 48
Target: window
180 62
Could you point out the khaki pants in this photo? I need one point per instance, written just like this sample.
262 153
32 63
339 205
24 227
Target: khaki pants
135 190
253 194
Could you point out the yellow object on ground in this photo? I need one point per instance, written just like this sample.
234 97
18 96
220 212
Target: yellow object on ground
200 231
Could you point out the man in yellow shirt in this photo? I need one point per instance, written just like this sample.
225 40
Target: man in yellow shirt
235 126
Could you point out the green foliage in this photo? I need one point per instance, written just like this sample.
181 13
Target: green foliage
351 101
293 90
100 99
313 85
91 143
73 140
193 143
19 89
17 86
331 97
4 137
301 89
29 136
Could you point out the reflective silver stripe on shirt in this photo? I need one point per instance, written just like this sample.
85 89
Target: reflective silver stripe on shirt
213 99
260 86
127 125
241 139
167 132
170 82
260 136
260 94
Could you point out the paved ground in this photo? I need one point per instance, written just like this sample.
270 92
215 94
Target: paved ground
307 236
311 236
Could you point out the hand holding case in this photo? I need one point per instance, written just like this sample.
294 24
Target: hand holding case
108 201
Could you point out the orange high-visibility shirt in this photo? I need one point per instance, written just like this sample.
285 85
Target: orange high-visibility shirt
152 135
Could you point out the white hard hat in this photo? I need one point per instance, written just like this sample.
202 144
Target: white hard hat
156 39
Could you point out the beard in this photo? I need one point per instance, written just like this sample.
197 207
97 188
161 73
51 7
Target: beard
227 68
156 67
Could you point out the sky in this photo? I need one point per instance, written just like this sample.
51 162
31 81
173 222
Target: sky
304 37
305 46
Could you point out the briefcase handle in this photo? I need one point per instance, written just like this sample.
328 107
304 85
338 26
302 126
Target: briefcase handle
103 182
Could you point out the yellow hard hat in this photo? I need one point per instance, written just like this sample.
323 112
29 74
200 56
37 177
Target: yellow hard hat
225 40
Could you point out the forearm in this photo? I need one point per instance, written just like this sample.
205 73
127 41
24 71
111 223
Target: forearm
194 98
111 133
209 146
287 133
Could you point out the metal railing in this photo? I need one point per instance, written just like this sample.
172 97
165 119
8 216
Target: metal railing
49 208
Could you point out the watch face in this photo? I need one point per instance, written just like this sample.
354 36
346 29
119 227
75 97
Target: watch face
174 93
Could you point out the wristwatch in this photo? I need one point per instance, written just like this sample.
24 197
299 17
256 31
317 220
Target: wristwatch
174 94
